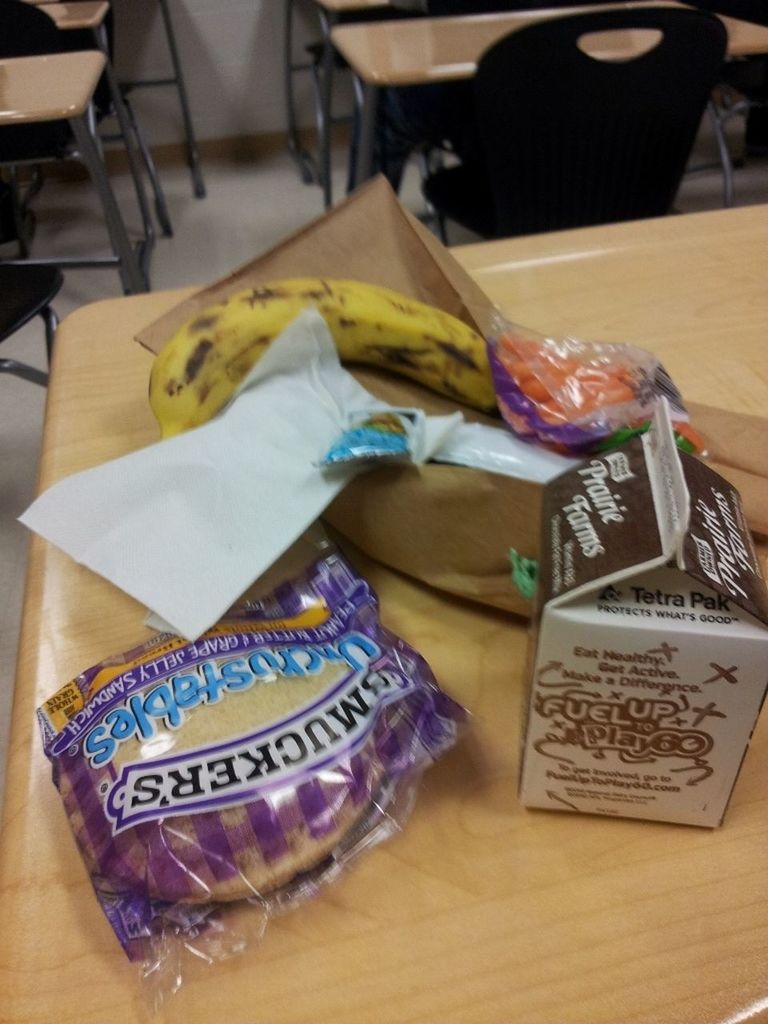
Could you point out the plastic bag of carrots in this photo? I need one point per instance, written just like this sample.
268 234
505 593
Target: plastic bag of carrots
578 396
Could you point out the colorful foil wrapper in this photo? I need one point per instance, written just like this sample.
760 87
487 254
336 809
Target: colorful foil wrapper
390 435
241 764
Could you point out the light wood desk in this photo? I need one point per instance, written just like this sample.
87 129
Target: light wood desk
83 14
90 16
428 50
480 912
48 88
60 86
56 86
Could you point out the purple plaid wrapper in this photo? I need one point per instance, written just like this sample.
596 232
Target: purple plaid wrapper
175 861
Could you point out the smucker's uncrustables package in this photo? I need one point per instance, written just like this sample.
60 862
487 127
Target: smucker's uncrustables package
251 764
650 648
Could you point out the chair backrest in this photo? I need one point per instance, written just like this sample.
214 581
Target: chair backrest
746 10
570 140
27 31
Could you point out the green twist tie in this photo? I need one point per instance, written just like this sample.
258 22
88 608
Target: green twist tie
525 574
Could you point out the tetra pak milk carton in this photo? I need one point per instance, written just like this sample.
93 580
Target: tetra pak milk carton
650 657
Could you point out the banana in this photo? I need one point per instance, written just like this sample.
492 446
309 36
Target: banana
198 369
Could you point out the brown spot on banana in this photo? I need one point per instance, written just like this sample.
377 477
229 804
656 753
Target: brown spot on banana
402 307
173 387
233 366
203 323
323 291
264 295
392 356
346 322
456 353
197 359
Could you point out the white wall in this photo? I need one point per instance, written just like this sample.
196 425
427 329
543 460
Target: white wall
232 56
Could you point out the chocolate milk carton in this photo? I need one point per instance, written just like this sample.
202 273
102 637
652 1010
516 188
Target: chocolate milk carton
651 654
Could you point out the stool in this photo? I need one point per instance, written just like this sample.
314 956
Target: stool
27 98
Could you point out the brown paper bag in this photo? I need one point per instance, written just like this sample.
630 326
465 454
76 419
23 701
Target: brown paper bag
369 236
452 527
448 526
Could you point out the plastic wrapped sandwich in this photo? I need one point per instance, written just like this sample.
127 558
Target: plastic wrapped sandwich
250 764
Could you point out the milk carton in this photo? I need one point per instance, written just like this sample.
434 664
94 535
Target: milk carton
651 650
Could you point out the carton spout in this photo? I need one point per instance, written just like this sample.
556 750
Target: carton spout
670 496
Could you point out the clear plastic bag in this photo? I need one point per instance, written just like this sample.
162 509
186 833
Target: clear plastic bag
578 396
244 769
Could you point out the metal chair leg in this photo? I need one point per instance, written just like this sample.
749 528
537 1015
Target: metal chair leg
193 157
130 272
51 322
128 134
23 235
361 157
303 159
725 156
28 373
161 207
325 114
442 228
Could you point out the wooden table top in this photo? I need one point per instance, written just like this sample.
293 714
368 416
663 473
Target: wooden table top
712 337
79 15
48 88
479 912
411 52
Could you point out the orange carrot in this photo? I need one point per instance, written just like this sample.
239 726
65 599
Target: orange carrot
536 390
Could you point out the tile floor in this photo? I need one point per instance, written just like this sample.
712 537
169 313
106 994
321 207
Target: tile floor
248 208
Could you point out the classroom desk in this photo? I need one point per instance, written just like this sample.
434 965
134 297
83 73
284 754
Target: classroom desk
399 53
57 86
83 14
479 912
328 12
49 87
91 15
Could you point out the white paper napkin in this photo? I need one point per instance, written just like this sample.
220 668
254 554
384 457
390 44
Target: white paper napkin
188 524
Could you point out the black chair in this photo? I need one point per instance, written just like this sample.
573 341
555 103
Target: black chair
745 10
26 292
568 140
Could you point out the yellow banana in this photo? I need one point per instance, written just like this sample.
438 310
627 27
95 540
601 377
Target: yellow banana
196 372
